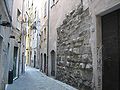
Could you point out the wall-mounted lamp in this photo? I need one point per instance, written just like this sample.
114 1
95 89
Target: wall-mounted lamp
5 23
13 37
19 41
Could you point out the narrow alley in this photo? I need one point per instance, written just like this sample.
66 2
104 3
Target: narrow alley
59 44
33 79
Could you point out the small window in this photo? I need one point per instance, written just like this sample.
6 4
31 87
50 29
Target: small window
18 13
45 32
35 12
19 18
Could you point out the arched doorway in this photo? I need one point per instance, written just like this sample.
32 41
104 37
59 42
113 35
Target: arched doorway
41 61
45 63
53 63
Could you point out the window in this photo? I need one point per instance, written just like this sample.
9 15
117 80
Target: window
18 13
35 14
19 19
41 35
44 33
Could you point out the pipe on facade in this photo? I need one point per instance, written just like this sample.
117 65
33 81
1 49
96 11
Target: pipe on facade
22 38
48 34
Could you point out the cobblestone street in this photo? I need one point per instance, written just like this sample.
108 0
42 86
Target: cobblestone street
33 79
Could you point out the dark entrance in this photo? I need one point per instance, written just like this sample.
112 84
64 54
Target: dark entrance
15 61
45 63
41 61
34 58
53 63
111 50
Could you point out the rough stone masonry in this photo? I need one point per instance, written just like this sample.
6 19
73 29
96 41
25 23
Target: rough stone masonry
74 56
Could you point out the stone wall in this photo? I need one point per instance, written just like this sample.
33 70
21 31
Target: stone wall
74 56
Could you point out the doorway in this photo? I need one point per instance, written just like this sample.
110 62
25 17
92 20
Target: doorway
41 61
34 58
45 63
52 63
111 50
15 61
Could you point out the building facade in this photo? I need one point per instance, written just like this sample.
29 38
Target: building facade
11 59
33 33
34 44
105 18
58 10
30 18
5 31
19 30
43 36
83 43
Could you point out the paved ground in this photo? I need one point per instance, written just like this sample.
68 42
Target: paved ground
33 79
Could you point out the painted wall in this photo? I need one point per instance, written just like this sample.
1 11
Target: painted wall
43 26
58 12
4 47
18 31
97 8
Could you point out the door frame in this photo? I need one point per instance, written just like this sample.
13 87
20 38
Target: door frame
16 64
98 25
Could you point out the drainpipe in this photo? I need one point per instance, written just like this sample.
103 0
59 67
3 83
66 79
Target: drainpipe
19 60
22 39
48 34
